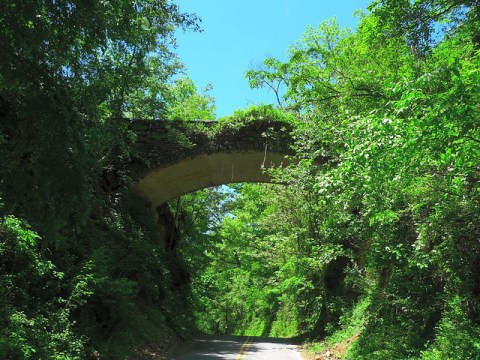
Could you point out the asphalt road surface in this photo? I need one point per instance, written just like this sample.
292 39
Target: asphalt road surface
240 348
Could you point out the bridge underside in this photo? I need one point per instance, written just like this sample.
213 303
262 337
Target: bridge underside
169 182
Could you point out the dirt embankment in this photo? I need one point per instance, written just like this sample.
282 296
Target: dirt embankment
330 353
162 350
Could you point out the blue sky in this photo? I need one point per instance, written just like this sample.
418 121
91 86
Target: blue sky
239 34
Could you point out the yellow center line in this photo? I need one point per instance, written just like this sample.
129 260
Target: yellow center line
244 349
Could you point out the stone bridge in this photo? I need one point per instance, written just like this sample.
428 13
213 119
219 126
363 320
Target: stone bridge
175 158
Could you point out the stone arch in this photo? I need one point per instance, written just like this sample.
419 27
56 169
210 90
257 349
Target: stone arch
166 169
205 170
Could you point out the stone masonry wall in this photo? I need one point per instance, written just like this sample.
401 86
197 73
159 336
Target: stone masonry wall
162 143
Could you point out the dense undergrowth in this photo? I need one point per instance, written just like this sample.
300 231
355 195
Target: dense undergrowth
110 293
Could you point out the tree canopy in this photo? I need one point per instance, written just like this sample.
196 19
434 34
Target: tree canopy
378 244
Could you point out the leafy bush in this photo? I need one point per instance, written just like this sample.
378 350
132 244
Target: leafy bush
36 322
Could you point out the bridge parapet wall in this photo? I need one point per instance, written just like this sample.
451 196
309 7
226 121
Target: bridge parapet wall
163 143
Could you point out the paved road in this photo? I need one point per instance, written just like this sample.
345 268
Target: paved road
240 348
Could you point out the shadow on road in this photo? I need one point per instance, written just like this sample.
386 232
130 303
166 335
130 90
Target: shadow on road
229 347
